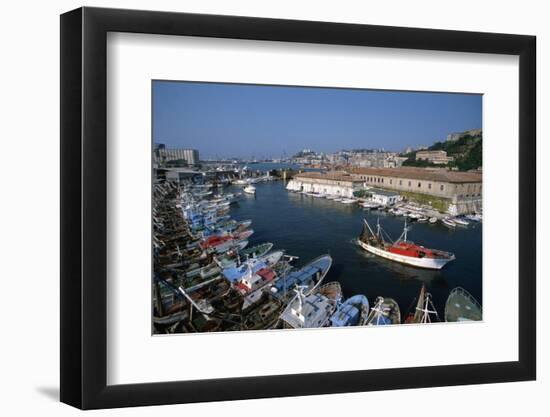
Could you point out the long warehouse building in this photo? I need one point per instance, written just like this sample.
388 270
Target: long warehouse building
461 190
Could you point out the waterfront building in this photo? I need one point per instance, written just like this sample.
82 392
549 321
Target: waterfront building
330 183
181 175
460 192
163 154
384 197
436 157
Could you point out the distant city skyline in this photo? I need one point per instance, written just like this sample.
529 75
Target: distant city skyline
254 121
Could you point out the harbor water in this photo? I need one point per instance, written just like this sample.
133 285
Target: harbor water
307 227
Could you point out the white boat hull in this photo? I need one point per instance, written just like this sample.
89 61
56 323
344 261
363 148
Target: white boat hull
427 263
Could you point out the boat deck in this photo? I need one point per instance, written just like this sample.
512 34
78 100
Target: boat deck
461 306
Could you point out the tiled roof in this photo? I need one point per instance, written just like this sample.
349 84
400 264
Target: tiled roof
430 174
331 175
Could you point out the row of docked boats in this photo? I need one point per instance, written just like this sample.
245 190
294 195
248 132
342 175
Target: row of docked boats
326 307
337 198
410 210
208 277
424 214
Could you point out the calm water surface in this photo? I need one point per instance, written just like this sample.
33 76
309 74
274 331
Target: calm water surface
308 227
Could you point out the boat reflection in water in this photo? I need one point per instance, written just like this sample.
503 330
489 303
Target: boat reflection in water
406 272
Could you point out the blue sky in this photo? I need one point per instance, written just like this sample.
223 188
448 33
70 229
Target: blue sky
236 120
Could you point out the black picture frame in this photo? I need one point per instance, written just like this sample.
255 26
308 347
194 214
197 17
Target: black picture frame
84 207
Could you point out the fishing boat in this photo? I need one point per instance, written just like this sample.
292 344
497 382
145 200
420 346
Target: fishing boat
252 265
263 314
240 226
462 306
258 250
250 189
332 290
245 234
425 311
255 296
352 312
402 250
307 311
233 258
311 275
385 311
447 221
214 241
229 245
253 281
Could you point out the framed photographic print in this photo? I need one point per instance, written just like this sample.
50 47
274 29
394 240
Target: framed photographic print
258 208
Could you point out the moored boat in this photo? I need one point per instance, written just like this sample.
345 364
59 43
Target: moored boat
348 201
307 311
385 311
425 311
352 312
332 290
230 245
448 222
234 258
311 275
252 265
461 222
402 250
462 306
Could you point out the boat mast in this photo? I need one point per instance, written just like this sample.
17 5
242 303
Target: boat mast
426 310
403 236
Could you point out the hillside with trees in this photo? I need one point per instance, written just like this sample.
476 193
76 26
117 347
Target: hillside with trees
467 152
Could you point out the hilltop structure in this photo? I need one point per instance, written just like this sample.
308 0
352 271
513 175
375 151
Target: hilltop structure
453 137
435 157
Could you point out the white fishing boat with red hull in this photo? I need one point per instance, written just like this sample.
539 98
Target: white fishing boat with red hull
402 250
